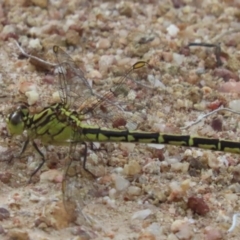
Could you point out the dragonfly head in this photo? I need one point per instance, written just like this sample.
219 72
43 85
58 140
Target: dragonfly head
16 120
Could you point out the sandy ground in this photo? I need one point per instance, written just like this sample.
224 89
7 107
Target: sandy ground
143 191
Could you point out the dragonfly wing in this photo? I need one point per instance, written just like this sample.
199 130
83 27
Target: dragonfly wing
123 103
73 86
78 190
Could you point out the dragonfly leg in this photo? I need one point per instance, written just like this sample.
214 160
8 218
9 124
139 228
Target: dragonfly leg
24 147
41 164
85 160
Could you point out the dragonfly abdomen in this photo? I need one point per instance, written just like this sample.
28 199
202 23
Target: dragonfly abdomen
109 135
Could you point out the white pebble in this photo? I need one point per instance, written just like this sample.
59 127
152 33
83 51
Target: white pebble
134 190
120 183
178 58
105 62
143 214
112 193
35 44
235 105
32 96
56 96
172 30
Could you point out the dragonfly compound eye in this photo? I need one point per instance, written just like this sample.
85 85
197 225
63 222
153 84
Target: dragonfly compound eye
15 123
15 118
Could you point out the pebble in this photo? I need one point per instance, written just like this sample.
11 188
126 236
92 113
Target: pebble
17 234
172 237
180 166
198 205
105 63
4 214
103 43
2 229
230 87
146 236
40 3
143 214
132 168
178 59
112 193
182 229
213 233
26 86
172 30
231 197
72 37
235 105
32 96
52 175
8 29
35 44
134 191
95 74
56 215
225 74
120 183
176 190
109 202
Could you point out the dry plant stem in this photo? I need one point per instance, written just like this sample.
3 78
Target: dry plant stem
35 58
217 50
208 114
234 222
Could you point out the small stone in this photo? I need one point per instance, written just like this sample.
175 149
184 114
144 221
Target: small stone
134 191
56 215
198 205
52 175
4 214
146 236
32 96
5 177
105 62
178 58
95 74
103 43
132 168
15 234
180 166
143 214
230 87
172 30
112 193
40 3
182 229
213 234
126 10
72 37
235 105
172 237
120 183
2 229
35 44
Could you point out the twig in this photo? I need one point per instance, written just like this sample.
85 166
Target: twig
208 114
234 222
217 50
34 58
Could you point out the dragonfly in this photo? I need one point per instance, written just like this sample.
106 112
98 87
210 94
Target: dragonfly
67 123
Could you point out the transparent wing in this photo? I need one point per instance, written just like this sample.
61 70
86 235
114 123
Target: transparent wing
78 189
122 103
72 83
113 103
